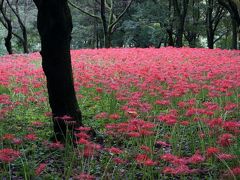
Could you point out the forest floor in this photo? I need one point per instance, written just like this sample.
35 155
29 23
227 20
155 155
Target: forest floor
162 114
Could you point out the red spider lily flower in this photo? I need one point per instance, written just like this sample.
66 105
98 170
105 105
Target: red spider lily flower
230 106
196 158
144 160
37 124
168 157
114 150
236 170
118 160
179 170
231 126
225 139
140 158
162 143
215 122
212 151
41 167
146 149
149 162
88 151
83 129
224 156
8 155
163 102
184 123
99 90
48 114
102 115
84 176
55 145
31 137
8 136
114 116
134 134
82 135
82 141
17 141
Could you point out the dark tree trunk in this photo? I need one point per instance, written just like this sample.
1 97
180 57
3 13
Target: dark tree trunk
234 34
8 38
25 40
170 37
180 31
55 26
210 39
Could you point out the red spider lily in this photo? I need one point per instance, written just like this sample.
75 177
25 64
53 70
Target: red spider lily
118 160
41 167
102 115
37 124
146 149
8 136
114 150
82 141
230 106
231 126
236 170
84 176
8 155
215 122
225 139
114 116
17 141
82 135
83 129
179 170
31 137
212 151
162 143
54 145
224 156
144 160
196 158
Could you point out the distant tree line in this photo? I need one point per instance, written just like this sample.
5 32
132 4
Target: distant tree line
128 23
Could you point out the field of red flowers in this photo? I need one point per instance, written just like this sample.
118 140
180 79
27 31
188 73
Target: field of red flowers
161 114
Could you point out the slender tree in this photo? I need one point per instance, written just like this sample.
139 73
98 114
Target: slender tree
24 38
54 24
7 23
214 14
180 12
109 20
233 7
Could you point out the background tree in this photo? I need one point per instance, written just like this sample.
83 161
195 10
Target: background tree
214 14
233 7
110 20
7 23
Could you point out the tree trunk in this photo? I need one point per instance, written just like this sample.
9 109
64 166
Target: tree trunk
25 40
170 37
107 40
210 40
55 26
234 34
7 39
179 34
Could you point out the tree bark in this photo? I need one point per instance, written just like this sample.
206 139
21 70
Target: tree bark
55 26
8 38
234 34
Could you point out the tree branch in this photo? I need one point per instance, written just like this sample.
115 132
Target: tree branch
84 12
121 15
